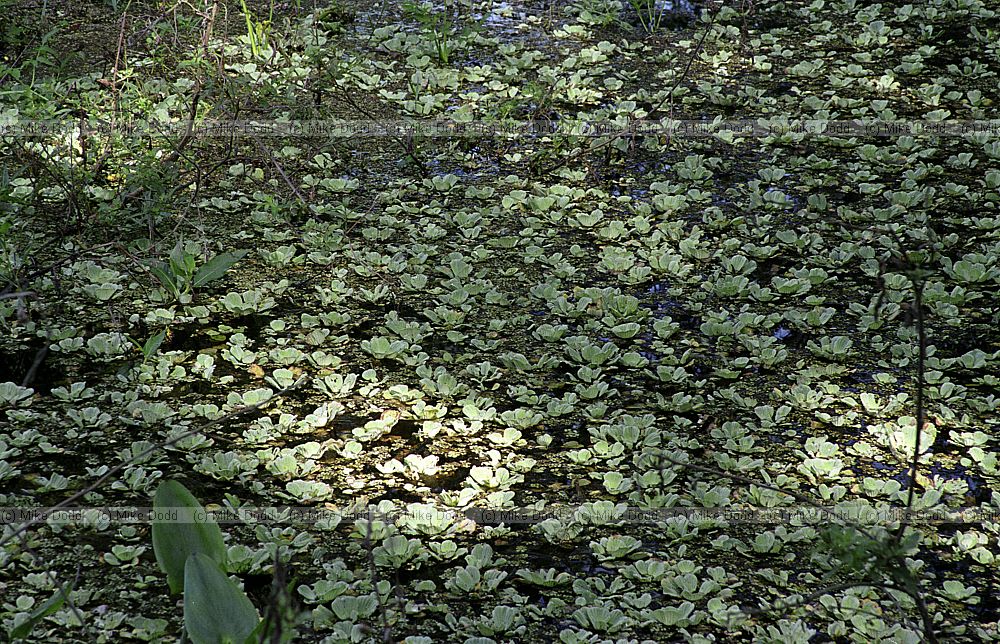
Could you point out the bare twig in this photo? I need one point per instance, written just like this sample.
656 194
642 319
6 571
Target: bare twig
918 317
36 364
277 166
369 546
19 295
25 279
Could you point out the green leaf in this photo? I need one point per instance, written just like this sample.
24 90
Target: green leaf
181 262
153 343
162 273
50 606
189 532
215 609
216 267
177 254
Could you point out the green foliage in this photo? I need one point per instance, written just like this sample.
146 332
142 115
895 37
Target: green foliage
258 31
192 533
610 300
602 13
440 26
149 347
180 274
650 14
189 547
216 611
23 629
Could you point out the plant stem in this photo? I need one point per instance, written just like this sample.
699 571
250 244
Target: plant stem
918 317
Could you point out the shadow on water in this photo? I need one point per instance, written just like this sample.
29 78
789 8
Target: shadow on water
988 607
31 366
197 337
979 490
658 300
189 337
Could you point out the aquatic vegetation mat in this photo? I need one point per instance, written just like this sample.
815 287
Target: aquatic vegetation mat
433 342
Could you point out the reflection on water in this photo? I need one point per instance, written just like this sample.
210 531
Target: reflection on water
675 6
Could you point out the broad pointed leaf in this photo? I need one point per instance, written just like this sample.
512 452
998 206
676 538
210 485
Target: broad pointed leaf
216 611
167 279
216 267
153 343
192 532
